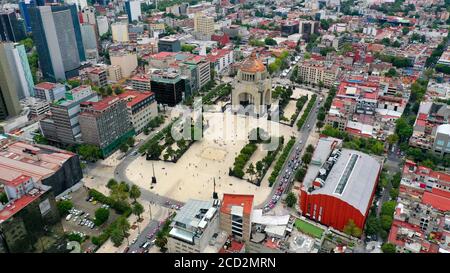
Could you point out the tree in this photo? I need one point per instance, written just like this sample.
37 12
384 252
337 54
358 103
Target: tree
123 225
405 30
135 192
112 183
391 72
161 241
392 139
123 147
300 174
101 216
28 43
310 149
138 209
386 222
270 41
351 229
131 141
146 131
388 248
117 237
372 225
64 206
154 151
89 152
251 170
307 158
259 168
40 139
291 199
388 208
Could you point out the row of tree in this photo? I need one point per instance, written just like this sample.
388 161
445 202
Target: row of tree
305 114
280 162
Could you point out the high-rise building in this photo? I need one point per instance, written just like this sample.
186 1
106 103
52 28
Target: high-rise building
63 125
133 8
57 35
12 29
119 32
23 7
89 41
203 24
105 124
102 25
17 63
9 83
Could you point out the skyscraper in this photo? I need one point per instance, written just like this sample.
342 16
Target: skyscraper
12 29
9 83
133 8
16 62
57 35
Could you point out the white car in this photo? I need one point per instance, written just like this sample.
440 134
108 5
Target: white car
68 217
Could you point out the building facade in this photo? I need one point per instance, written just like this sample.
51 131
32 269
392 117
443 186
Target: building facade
141 108
236 215
105 124
12 29
169 44
127 61
133 9
168 87
49 91
119 32
252 87
57 36
9 83
63 125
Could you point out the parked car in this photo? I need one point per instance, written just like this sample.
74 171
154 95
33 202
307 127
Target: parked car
68 217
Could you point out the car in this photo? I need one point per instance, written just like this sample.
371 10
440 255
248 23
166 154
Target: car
126 249
94 202
88 198
68 217
75 218
92 226
146 245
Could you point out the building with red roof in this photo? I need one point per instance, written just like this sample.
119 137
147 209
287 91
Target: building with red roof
420 220
236 214
220 59
141 108
30 210
222 39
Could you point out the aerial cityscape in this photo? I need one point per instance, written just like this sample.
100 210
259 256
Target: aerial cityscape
224 126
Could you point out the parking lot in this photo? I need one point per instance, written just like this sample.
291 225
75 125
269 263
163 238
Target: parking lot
81 220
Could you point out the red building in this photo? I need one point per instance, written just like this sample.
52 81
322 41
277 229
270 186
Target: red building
339 186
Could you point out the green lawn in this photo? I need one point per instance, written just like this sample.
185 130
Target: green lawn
308 228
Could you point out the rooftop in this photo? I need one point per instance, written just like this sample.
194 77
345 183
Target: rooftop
101 105
22 159
253 64
352 179
47 85
231 200
134 97
18 204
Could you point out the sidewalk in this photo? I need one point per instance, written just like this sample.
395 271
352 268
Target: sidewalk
108 246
